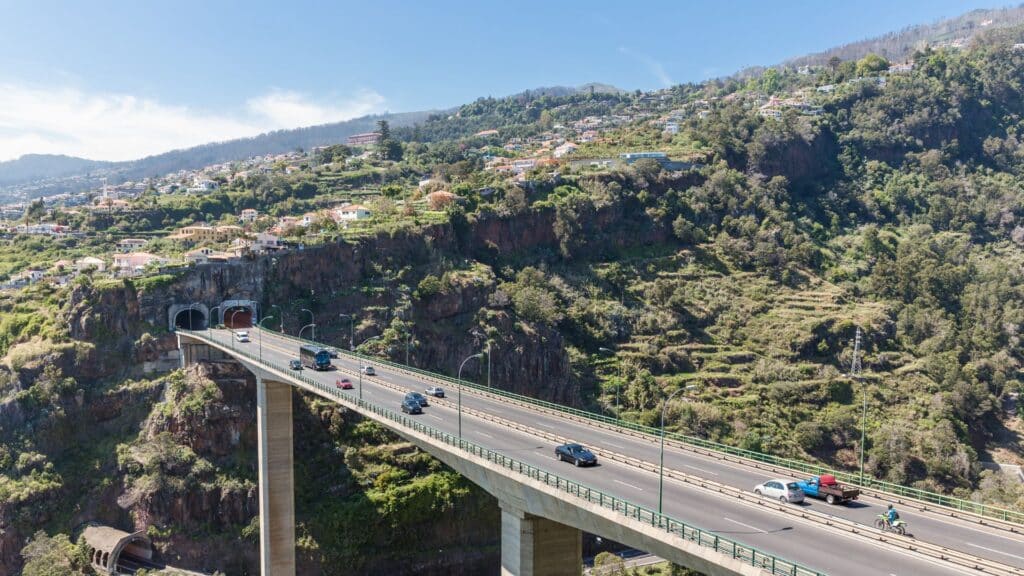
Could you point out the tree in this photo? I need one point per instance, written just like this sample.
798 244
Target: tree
871 65
36 211
51 556
770 81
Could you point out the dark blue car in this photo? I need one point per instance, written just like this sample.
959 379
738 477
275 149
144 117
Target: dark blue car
576 454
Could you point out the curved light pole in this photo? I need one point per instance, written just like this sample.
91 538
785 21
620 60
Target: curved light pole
260 326
213 317
313 326
661 466
280 313
351 329
361 365
459 380
191 307
312 322
233 326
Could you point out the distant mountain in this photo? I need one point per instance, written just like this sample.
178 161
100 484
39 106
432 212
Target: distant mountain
34 175
899 46
559 91
38 166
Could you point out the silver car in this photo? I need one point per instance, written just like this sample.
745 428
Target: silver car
785 491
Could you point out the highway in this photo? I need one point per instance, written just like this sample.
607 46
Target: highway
786 535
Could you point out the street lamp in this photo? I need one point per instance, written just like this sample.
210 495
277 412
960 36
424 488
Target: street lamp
361 365
459 379
661 467
281 314
260 326
213 320
312 322
313 326
190 308
622 376
351 329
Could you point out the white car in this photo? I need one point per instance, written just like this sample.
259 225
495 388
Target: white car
368 370
242 336
435 391
785 491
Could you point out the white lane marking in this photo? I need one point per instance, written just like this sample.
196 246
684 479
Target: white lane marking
486 435
435 417
545 425
630 485
612 444
744 525
994 550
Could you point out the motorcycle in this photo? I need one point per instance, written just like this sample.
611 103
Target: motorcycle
899 526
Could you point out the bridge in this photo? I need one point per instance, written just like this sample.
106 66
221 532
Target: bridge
702 514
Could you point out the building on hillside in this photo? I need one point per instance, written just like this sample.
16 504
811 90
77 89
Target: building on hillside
199 255
309 218
351 212
485 133
87 262
564 150
630 157
131 244
267 243
671 128
248 215
134 263
364 139
901 68
205 233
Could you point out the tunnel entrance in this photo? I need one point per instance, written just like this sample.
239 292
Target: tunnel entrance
190 319
238 317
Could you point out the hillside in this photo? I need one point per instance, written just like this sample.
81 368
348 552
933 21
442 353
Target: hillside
788 211
900 45
40 166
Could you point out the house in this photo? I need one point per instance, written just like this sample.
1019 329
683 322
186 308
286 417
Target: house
133 263
364 139
266 243
206 233
484 133
588 136
902 68
565 149
352 212
130 244
672 128
199 255
248 215
309 218
90 262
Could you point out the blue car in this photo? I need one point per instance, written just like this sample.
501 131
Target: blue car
576 454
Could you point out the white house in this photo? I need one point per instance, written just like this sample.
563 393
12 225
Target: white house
131 244
266 243
134 263
352 212
248 215
199 255
90 262
564 150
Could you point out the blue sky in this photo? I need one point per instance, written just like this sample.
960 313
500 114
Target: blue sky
116 80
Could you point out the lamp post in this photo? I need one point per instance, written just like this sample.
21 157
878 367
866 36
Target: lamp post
351 329
312 322
232 322
213 320
260 326
361 365
661 466
622 376
855 373
281 314
313 326
459 380
190 308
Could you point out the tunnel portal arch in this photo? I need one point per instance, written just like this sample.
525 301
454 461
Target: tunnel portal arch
188 317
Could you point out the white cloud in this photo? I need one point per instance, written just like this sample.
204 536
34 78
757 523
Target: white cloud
653 66
124 127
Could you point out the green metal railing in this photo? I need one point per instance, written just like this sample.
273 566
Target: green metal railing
736 550
954 503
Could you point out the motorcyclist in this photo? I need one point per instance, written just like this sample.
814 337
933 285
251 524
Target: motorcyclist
891 515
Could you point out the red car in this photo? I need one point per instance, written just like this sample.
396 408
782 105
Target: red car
344 384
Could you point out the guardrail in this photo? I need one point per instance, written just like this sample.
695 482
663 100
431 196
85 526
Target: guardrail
954 503
736 550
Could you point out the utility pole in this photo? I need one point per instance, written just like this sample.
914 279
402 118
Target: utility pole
855 374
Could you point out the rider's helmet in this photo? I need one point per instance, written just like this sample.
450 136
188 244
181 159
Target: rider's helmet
890 506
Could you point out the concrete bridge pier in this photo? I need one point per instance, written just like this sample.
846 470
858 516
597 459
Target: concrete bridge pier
535 546
192 353
276 477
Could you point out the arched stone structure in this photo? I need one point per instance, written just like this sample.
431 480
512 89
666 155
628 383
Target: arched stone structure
107 546
239 313
193 316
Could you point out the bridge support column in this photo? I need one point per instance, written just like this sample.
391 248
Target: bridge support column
276 477
535 546
193 353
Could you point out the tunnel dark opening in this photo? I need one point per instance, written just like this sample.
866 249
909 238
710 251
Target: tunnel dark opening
238 317
190 319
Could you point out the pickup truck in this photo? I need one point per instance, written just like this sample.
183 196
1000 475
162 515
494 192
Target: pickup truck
825 487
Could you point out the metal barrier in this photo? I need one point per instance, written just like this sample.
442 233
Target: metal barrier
736 550
954 503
